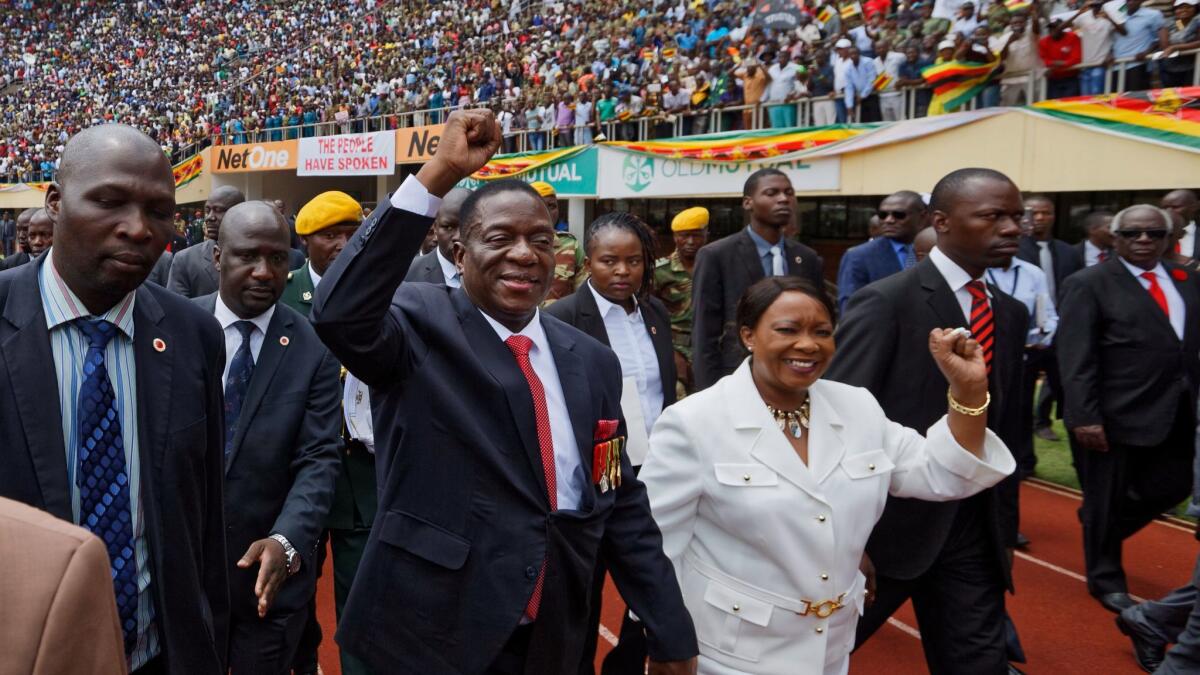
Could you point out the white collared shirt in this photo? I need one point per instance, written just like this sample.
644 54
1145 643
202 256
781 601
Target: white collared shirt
1091 253
1027 282
1174 299
958 279
569 474
312 274
449 270
630 340
233 338
1188 241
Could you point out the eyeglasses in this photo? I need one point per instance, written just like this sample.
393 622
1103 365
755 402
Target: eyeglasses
896 215
1132 235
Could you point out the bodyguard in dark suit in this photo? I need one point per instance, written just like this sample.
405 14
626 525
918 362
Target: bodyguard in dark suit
614 306
162 270
727 267
149 480
497 434
1186 205
948 557
437 266
193 273
1130 367
326 224
282 431
1096 246
901 216
21 255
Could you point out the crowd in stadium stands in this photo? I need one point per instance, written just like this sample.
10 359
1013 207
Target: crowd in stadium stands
561 73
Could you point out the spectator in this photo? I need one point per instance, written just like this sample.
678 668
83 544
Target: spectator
891 98
824 109
1019 52
909 76
1183 34
965 22
1143 32
1061 51
781 92
861 102
754 85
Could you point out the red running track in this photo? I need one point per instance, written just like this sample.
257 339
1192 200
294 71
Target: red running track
1062 628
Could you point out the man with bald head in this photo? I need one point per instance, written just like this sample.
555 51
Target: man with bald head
21 256
437 266
110 401
282 431
1130 370
193 272
1185 203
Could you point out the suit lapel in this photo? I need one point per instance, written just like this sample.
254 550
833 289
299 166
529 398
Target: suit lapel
825 447
886 255
792 260
590 320
154 373
496 358
939 296
1140 296
304 288
269 357
208 266
577 393
30 362
749 256
660 336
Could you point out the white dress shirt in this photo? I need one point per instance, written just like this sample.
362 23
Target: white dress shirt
1046 262
233 338
1188 241
449 270
312 274
957 278
1091 253
569 476
630 340
1027 282
1174 299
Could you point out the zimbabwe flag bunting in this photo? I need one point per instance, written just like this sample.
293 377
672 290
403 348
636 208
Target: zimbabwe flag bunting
882 82
956 82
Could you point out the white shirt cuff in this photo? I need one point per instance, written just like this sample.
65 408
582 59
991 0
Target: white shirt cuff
413 197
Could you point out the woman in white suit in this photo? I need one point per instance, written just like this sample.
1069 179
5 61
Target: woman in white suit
767 484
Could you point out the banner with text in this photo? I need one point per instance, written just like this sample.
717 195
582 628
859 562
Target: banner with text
572 176
348 155
624 175
272 156
417 144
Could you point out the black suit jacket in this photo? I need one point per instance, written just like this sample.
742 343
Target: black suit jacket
724 270
15 260
464 521
1122 364
1067 259
280 474
580 310
865 264
883 345
193 272
180 444
426 268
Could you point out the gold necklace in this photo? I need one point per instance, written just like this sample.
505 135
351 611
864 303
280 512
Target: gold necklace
792 422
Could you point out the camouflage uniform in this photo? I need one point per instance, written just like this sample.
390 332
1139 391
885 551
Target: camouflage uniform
673 285
568 267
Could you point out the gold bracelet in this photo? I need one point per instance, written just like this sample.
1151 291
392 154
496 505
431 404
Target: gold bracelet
964 410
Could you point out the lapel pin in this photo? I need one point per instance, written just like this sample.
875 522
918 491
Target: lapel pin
307 295
653 330
283 340
159 345
797 260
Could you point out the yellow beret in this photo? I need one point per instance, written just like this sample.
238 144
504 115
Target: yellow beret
543 188
695 218
326 209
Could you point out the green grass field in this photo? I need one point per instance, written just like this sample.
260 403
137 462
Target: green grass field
1054 459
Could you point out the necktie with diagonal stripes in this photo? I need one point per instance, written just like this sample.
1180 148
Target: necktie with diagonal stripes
983 327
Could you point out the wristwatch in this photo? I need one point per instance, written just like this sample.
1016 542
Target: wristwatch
290 554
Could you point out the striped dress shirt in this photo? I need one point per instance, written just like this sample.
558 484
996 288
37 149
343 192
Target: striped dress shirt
69 346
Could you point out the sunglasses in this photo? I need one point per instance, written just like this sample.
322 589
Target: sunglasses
896 215
1132 235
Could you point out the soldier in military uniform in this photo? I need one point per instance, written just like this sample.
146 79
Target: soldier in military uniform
568 254
325 224
673 285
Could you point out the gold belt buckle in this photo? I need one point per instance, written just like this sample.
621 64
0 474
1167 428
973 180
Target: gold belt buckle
825 608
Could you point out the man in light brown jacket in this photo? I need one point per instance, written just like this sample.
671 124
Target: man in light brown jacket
59 613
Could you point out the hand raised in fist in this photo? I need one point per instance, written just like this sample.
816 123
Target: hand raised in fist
470 139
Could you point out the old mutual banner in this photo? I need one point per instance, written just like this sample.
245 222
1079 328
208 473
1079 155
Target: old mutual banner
625 175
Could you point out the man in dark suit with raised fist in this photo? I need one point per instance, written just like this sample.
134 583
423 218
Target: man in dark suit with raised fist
948 557
726 268
498 434
1130 366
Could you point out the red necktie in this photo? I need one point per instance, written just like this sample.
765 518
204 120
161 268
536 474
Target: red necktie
1102 257
1156 292
983 328
520 345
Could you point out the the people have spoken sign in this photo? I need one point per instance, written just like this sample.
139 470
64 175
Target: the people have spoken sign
348 155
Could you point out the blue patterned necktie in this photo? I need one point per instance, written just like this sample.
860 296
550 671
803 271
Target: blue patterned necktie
241 369
101 476
910 256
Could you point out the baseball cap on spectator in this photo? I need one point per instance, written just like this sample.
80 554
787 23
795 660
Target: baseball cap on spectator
843 44
946 44
1193 3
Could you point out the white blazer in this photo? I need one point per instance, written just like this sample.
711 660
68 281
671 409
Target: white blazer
759 540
